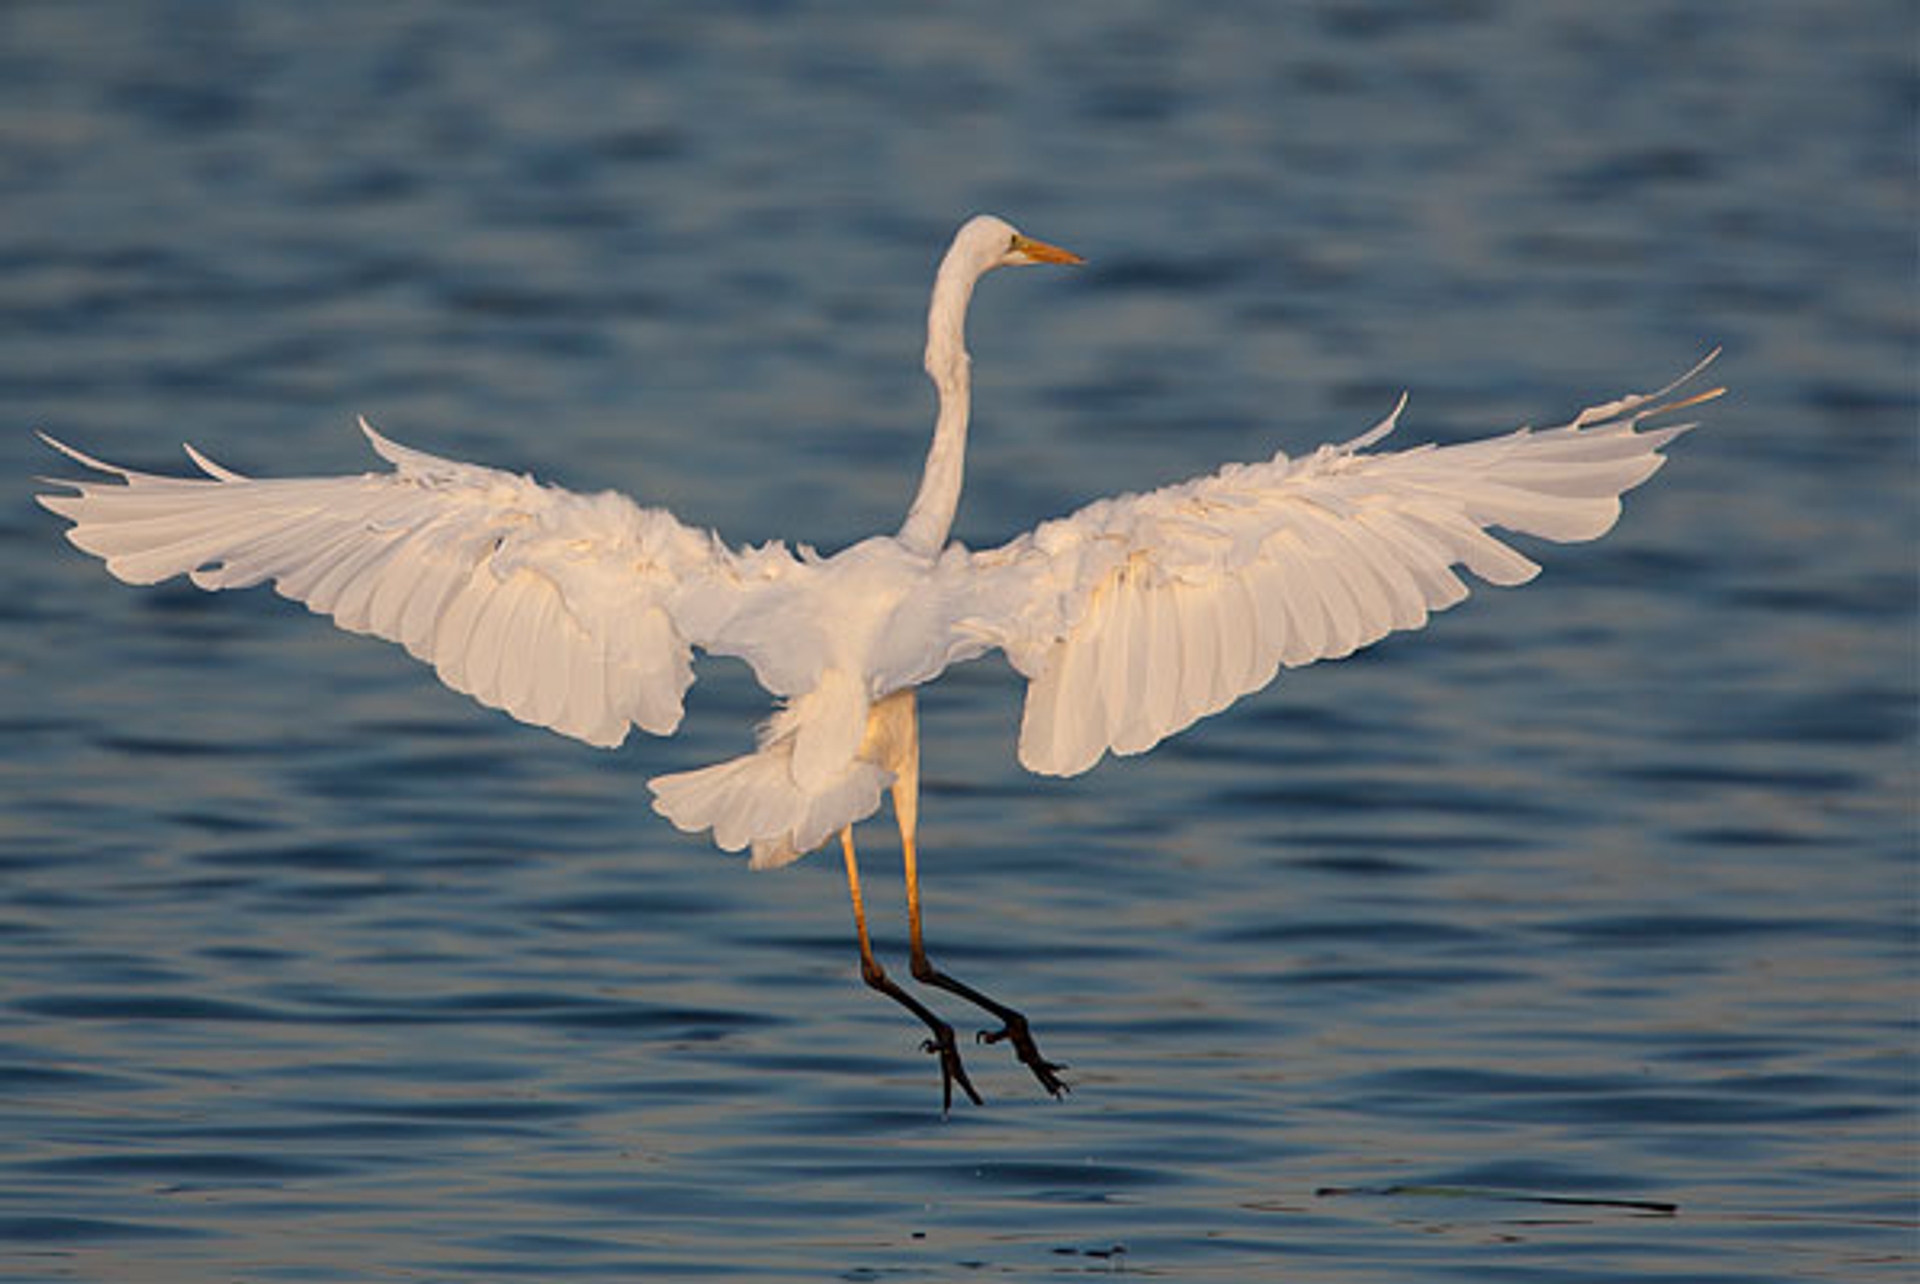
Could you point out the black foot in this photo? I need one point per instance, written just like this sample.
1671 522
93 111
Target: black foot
1013 1026
942 1044
952 1069
1016 1032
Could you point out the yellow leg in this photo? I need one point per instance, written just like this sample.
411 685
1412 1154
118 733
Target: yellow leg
942 1044
906 812
917 943
870 969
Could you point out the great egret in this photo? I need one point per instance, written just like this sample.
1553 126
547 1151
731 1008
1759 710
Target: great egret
1131 619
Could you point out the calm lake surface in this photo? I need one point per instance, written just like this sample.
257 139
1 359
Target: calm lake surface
1572 939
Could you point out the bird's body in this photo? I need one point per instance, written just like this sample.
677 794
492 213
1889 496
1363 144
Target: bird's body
1131 619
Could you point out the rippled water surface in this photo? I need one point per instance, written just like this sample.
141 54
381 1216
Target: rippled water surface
1571 939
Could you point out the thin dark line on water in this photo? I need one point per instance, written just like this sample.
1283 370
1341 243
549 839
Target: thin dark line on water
1657 1207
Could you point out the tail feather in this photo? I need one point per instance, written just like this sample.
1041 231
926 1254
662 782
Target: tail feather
754 801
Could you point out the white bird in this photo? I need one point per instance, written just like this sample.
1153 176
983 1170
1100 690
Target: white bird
1130 619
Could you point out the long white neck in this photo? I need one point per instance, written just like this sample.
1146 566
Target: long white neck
931 517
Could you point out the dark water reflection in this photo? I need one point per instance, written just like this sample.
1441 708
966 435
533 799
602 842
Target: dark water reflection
1572 939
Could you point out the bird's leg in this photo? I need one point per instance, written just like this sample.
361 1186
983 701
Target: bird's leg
1013 1025
942 1044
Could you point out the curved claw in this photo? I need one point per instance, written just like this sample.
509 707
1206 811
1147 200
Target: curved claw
952 1069
1024 1047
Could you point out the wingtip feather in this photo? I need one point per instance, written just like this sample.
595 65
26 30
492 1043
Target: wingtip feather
383 445
216 471
1379 431
79 457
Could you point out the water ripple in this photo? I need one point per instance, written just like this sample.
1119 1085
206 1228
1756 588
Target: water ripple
1469 958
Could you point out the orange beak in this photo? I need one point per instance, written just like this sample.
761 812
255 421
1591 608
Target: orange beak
1041 252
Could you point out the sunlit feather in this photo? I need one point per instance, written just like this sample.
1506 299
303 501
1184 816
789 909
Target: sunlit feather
1130 619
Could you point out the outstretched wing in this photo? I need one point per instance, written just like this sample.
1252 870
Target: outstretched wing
1139 615
556 607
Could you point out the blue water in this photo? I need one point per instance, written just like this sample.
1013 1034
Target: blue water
1571 939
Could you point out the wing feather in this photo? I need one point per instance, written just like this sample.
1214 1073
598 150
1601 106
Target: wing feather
1165 661
1116 656
493 628
563 609
453 635
1139 615
1297 591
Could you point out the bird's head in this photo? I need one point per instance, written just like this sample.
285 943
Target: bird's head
982 244
988 242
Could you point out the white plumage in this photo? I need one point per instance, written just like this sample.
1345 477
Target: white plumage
1131 619
1138 615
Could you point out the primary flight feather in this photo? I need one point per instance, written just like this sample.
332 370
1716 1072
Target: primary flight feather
1130 619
